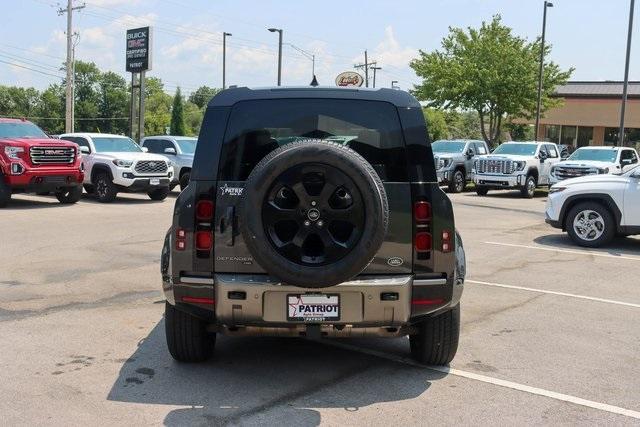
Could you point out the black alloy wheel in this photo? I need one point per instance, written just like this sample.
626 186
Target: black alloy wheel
313 214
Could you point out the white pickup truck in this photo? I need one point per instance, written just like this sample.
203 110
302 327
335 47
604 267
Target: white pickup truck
594 209
521 165
595 161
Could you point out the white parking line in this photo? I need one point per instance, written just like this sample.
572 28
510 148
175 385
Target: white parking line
564 294
495 381
568 251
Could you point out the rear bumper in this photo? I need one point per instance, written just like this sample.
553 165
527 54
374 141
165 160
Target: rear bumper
243 304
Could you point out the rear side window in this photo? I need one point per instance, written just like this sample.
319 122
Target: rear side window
370 128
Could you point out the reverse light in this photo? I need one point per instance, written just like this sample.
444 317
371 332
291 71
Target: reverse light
12 152
123 163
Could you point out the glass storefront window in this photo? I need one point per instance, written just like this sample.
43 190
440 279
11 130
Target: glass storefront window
568 135
585 136
552 133
610 136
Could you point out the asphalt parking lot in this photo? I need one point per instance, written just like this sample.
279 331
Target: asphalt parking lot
550 334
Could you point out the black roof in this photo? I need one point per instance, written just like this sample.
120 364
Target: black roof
396 97
597 89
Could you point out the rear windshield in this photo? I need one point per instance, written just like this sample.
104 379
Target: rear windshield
600 155
370 128
21 130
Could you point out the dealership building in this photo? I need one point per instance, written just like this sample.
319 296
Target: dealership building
590 115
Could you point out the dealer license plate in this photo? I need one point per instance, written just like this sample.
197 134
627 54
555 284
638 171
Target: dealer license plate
313 307
154 181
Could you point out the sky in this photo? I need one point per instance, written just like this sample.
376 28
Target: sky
588 35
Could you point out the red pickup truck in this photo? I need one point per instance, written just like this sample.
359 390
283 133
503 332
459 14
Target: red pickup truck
31 162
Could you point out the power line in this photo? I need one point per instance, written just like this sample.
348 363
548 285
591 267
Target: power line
30 69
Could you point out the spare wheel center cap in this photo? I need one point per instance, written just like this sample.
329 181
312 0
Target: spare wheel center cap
313 214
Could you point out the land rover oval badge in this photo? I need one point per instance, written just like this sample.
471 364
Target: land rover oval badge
395 261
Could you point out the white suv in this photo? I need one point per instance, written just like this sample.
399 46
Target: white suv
593 209
115 163
595 161
521 165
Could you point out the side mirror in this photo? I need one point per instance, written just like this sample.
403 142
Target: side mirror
170 150
84 150
543 156
145 149
470 153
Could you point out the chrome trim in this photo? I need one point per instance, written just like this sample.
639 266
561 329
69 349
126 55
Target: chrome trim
429 282
196 280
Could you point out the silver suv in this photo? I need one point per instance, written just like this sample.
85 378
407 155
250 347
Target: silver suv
179 150
454 161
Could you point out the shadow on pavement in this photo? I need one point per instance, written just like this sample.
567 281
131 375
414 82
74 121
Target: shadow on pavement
37 202
122 199
620 247
263 381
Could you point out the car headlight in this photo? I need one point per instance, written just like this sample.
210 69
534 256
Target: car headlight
556 189
520 165
123 163
444 163
12 152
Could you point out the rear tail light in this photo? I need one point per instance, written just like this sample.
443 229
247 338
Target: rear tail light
204 210
422 211
447 241
204 240
423 242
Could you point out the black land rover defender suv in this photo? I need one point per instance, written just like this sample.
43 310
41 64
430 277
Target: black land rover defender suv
313 212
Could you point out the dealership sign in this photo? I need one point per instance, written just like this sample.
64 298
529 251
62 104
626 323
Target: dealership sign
349 78
138 49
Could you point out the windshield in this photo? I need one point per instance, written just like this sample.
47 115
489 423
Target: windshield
115 144
595 155
448 146
517 149
187 146
21 130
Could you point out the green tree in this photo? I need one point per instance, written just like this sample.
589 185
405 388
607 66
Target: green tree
113 103
488 70
51 108
463 124
87 97
203 95
192 118
436 124
177 114
158 107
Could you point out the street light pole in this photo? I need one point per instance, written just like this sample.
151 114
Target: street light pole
224 59
547 4
273 30
626 77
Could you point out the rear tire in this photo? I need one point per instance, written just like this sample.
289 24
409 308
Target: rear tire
458 182
481 191
70 195
529 189
436 341
105 189
5 193
603 230
187 337
159 194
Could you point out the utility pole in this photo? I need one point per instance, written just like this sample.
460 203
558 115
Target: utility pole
69 65
224 59
279 31
366 66
626 77
547 4
374 68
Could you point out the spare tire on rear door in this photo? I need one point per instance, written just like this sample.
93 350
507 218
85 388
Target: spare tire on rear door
313 213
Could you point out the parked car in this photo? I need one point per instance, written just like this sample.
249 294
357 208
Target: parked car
309 214
565 151
31 162
521 165
115 163
454 161
593 209
595 161
179 150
